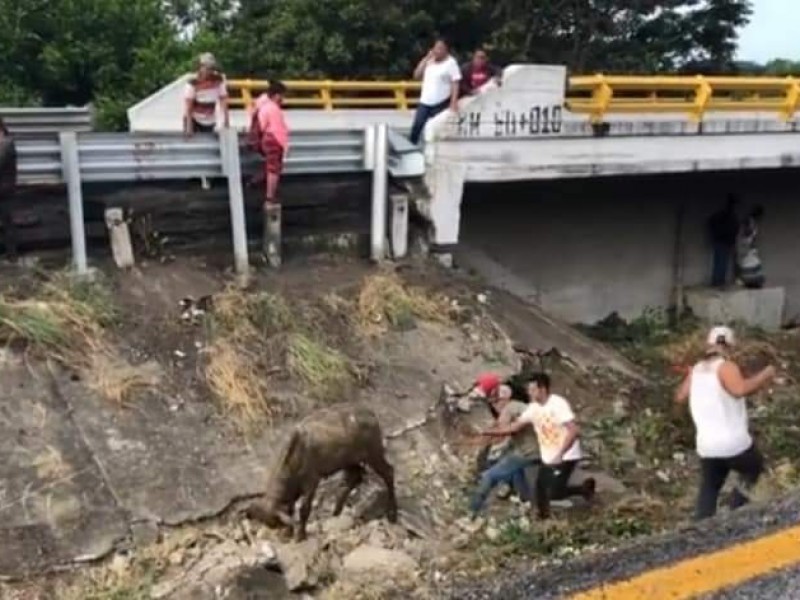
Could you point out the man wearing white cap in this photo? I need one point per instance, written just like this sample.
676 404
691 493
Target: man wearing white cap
203 92
716 389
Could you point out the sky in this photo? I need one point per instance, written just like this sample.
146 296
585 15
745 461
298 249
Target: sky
773 31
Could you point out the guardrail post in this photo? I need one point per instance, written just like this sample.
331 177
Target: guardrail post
231 167
380 190
71 171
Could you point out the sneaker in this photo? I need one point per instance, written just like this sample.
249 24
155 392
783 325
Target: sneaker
561 503
589 487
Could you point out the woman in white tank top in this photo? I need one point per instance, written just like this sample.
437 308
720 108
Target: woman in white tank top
716 391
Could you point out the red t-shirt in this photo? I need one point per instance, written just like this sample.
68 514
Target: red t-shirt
478 78
487 383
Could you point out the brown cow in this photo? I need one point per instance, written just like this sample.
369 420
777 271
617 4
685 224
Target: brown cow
330 440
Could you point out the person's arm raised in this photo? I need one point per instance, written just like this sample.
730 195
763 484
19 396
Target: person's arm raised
731 378
419 70
682 393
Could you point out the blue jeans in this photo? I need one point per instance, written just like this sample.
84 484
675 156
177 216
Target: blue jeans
509 469
423 115
722 259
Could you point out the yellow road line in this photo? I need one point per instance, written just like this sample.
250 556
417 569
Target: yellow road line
707 573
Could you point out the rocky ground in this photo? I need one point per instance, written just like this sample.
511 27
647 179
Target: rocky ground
134 429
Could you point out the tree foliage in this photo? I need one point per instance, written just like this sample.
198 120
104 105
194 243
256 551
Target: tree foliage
114 52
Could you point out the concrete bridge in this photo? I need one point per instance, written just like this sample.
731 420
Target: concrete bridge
577 191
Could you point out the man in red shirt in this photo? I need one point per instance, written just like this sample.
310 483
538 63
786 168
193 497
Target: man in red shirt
476 73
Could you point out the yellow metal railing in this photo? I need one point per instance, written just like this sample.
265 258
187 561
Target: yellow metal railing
593 95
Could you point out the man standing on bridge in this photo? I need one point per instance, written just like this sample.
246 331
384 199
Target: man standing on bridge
716 389
440 86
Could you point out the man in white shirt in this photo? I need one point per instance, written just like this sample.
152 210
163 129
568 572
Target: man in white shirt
716 391
441 77
506 458
559 446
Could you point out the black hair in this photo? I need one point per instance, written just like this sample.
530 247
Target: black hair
443 40
757 212
541 379
276 87
733 199
3 127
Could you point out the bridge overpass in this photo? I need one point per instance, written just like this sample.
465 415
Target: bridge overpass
568 190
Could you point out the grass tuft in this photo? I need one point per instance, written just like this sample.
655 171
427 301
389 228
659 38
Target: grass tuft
385 303
325 371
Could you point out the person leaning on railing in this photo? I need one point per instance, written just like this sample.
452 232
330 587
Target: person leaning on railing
203 92
8 185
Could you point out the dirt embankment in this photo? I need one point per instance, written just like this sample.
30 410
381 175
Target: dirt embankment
135 427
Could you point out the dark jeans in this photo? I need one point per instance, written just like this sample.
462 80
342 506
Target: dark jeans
509 469
713 473
552 483
200 128
723 254
423 115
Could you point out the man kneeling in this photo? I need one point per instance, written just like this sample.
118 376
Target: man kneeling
559 446
505 461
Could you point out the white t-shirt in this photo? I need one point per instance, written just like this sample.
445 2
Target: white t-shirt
719 418
437 79
548 420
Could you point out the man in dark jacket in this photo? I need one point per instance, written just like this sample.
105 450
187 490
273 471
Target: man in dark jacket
476 73
8 184
723 227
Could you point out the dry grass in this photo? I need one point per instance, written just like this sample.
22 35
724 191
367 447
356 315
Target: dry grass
235 380
119 381
384 303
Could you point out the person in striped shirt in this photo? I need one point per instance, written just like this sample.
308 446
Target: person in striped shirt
203 92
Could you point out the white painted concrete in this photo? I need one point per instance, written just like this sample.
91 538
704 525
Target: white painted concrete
761 308
504 135
583 248
163 112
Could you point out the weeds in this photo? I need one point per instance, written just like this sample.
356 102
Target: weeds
325 371
384 303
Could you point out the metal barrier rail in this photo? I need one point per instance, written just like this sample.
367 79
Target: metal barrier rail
595 95
696 96
35 121
329 95
134 157
75 158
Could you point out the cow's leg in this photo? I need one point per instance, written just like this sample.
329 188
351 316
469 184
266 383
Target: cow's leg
353 477
385 471
305 510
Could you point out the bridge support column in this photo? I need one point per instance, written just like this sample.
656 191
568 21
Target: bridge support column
446 182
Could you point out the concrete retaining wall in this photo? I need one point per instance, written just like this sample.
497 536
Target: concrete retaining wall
592 246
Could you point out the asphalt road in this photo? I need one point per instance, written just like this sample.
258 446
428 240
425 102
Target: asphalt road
587 573
782 585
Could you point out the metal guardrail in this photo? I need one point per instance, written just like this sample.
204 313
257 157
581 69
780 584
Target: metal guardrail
74 158
134 157
329 95
35 121
595 95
